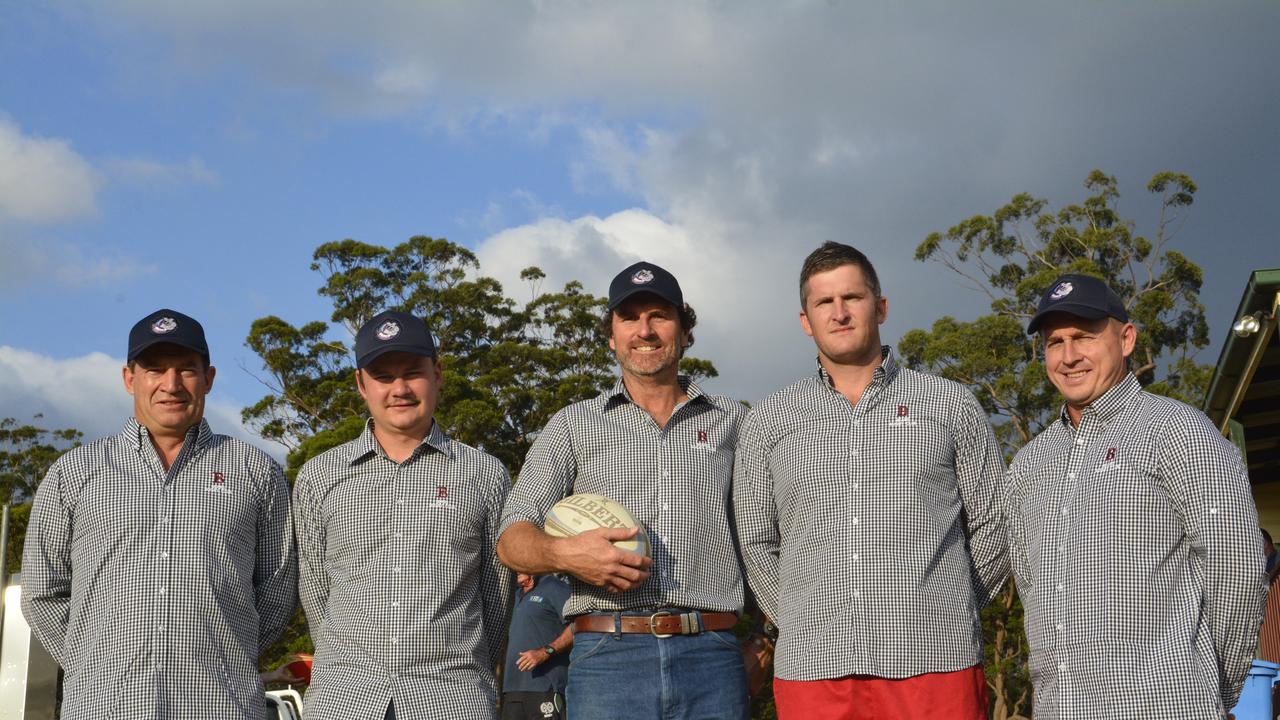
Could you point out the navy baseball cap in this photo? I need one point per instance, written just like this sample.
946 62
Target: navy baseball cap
645 277
393 330
167 326
1080 295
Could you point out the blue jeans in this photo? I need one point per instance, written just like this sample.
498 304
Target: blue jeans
635 675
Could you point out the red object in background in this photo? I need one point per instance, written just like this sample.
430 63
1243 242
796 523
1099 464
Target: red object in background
300 669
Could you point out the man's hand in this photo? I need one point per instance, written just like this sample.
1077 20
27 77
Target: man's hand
593 558
530 659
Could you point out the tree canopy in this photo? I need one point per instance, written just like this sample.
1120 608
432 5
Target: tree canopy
508 365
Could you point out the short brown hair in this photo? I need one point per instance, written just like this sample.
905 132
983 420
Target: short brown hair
831 256
688 318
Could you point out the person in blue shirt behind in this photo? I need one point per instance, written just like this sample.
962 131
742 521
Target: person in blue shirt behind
538 645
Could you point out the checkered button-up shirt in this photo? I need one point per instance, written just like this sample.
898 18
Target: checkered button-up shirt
871 532
400 580
675 481
1134 542
156 590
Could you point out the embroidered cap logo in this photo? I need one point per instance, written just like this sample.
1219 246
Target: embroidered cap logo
388 330
642 276
164 326
1064 289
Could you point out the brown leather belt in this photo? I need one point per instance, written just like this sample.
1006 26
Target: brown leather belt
663 623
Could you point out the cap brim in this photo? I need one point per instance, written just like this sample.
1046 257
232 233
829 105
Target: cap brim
630 292
364 360
1087 312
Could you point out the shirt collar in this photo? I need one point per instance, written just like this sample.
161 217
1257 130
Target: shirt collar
1109 404
367 444
884 373
618 394
135 433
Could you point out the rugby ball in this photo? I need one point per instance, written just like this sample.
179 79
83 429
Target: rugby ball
588 511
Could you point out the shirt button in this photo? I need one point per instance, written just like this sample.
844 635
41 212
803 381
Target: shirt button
399 534
399 502
855 557
853 521
395 641
164 556
1062 548
857 593
397 569
396 603
1062 666
1064 511
1213 511
665 506
666 474
855 486
161 591
1079 441
1059 626
160 628
1059 587
853 453
166 520
1071 476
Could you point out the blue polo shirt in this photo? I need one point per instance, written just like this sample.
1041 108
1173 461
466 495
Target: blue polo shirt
535 622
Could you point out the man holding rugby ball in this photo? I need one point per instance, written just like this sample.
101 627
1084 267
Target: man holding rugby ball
653 636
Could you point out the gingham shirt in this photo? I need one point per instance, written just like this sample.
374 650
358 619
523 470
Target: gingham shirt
871 532
400 579
1134 542
675 481
156 591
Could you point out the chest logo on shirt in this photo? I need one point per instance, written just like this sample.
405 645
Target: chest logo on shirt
903 417
442 497
1108 461
535 598
217 484
702 441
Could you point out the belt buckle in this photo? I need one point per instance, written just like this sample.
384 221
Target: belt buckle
653 624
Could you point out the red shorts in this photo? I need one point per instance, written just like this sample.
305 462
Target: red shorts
959 695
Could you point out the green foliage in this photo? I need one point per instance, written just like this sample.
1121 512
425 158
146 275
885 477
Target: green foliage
1012 256
26 452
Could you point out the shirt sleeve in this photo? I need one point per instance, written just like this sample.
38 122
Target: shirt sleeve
46 567
979 473
1209 486
313 579
546 477
756 514
496 580
275 576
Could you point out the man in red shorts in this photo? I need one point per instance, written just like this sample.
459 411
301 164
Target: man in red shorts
866 497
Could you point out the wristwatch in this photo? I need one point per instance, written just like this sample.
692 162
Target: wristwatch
549 650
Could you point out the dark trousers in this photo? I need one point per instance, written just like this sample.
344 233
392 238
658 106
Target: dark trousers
531 706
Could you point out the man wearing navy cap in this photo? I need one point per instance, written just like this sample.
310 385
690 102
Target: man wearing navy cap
407 603
1133 536
159 562
653 638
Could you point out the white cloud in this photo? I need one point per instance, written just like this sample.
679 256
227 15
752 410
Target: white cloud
746 307
43 180
139 171
30 260
87 393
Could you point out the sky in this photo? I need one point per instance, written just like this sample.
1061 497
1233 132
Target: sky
193 155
